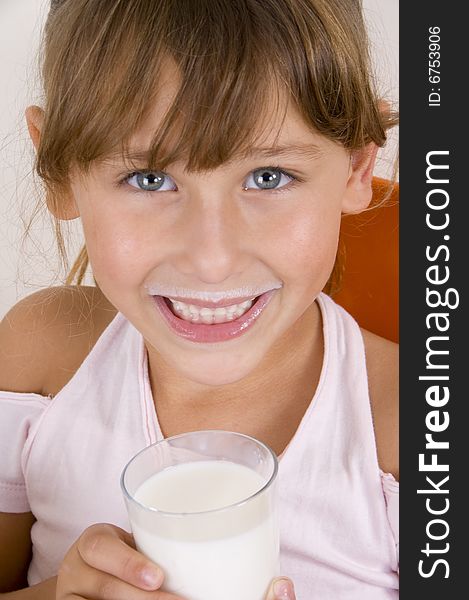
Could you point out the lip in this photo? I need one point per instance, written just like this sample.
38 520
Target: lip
218 332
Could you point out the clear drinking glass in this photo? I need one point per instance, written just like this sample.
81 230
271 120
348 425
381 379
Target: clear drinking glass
215 533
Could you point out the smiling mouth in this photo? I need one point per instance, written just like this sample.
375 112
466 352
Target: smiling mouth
200 323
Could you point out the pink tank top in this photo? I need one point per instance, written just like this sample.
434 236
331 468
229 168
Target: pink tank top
62 457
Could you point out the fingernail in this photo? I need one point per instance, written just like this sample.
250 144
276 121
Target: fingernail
283 590
151 577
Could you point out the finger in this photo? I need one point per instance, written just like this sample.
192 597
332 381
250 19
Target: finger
281 589
106 548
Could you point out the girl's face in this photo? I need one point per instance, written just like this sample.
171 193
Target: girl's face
263 226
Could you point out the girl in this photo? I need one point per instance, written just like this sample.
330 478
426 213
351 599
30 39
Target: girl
209 149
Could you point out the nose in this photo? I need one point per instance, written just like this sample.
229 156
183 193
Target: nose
212 241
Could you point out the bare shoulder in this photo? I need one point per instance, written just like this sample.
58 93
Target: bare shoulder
382 361
46 336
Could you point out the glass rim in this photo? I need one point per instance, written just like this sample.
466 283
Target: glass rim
203 512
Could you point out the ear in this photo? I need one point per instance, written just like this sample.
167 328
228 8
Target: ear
63 208
34 120
359 192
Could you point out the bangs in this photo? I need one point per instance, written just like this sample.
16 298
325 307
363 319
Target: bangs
203 126
235 66
231 89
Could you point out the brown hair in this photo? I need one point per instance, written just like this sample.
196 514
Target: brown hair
102 60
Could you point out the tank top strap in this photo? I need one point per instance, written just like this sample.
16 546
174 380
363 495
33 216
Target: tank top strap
338 422
344 358
347 379
343 336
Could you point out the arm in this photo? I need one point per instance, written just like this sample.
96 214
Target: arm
103 563
30 334
15 552
41 591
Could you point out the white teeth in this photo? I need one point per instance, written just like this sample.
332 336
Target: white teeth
198 314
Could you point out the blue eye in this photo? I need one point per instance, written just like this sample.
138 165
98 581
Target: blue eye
268 178
151 181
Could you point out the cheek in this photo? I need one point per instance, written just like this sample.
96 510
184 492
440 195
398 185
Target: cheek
115 248
306 248
119 259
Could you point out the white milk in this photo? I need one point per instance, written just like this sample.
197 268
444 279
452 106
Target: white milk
229 554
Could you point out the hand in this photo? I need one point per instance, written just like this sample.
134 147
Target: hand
281 589
103 564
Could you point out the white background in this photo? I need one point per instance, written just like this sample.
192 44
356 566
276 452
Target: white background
26 267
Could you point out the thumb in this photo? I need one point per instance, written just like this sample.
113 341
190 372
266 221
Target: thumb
281 589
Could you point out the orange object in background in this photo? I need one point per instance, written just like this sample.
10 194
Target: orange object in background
369 289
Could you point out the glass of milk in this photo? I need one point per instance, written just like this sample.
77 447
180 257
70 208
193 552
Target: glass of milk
202 505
